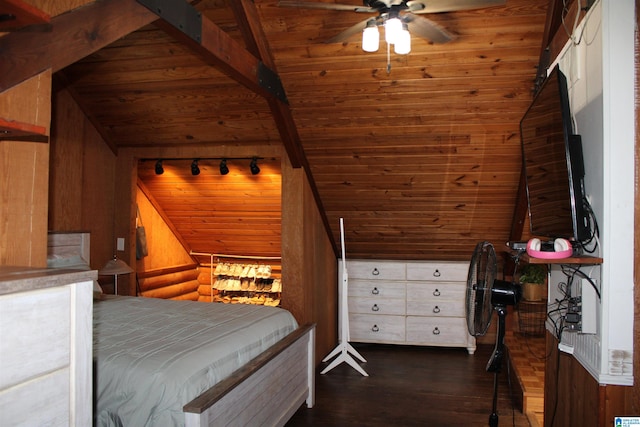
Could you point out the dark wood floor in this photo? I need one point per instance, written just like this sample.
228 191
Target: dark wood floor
411 386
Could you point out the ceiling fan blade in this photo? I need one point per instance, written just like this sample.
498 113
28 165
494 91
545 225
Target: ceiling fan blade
344 35
325 6
438 6
427 29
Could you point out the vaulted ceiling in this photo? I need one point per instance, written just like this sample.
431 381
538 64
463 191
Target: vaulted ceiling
420 153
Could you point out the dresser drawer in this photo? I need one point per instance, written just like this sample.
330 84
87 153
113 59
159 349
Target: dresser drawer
372 328
444 308
376 270
40 323
377 289
377 306
437 330
438 271
436 291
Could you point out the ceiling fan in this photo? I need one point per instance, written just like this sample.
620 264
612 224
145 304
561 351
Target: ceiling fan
401 14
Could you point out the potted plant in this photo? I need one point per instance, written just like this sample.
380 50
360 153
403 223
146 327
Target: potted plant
533 279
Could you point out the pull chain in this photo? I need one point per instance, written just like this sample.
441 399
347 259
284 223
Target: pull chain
388 58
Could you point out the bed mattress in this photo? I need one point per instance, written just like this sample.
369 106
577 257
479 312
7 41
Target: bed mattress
152 356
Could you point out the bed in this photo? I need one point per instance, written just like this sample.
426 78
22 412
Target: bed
164 363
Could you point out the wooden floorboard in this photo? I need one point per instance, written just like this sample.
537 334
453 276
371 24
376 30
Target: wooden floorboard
528 356
412 386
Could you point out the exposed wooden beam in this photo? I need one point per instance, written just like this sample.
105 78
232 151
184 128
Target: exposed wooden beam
218 48
256 40
251 28
254 68
73 36
556 34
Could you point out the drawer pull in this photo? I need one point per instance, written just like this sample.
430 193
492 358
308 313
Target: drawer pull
375 272
436 293
375 291
436 273
436 331
375 328
375 307
436 309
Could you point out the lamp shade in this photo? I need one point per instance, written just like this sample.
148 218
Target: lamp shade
371 37
392 30
115 266
403 41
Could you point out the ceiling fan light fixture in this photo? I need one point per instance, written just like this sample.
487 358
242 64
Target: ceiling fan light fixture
402 45
392 29
371 37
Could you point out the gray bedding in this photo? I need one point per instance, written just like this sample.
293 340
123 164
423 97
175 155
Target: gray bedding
152 356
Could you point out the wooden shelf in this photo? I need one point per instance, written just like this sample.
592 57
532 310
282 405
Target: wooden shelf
17 131
16 14
584 259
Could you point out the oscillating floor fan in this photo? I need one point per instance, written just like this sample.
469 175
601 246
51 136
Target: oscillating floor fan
484 295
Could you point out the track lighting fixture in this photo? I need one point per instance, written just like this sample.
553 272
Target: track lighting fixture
224 169
195 170
255 170
195 164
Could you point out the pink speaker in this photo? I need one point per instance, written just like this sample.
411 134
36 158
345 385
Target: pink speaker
561 249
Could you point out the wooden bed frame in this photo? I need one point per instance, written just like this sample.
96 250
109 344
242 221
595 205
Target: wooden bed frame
267 391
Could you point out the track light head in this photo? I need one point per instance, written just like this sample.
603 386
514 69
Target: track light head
224 169
255 170
159 168
195 170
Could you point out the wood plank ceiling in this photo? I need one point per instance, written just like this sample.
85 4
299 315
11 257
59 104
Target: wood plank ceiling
422 162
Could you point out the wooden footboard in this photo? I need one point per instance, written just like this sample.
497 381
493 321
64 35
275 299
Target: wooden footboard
267 391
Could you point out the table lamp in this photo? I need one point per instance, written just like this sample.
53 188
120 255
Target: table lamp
115 267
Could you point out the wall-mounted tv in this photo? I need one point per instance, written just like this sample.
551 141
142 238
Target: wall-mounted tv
554 167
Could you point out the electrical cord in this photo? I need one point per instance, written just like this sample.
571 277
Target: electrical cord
557 382
577 271
595 230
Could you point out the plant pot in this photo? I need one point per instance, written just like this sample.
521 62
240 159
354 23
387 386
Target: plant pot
533 291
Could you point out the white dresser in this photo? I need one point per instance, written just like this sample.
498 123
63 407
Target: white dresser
409 302
45 347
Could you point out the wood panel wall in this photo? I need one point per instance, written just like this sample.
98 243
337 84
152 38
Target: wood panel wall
164 247
24 173
573 398
82 173
309 263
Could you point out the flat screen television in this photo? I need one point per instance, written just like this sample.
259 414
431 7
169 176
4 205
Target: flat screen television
553 164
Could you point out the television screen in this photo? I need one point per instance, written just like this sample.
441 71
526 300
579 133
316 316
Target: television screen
554 170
